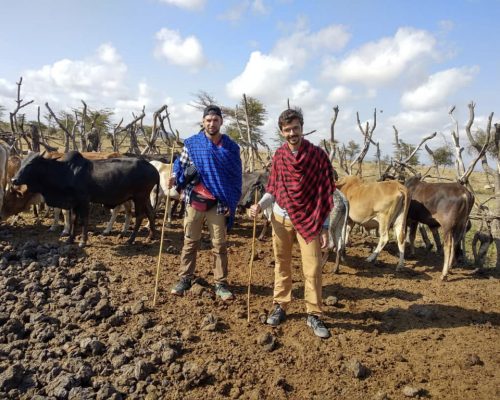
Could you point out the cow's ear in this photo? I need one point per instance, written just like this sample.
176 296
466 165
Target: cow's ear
17 193
42 154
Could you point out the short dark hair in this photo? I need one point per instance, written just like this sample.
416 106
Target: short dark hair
212 109
289 115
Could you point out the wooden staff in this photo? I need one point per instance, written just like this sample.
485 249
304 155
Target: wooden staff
251 259
167 203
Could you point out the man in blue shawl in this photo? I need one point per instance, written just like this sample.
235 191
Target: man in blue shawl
209 171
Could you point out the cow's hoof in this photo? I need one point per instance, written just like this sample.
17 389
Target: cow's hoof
444 278
130 241
371 258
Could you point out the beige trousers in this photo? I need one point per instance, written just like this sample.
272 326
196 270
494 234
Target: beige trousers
193 224
283 238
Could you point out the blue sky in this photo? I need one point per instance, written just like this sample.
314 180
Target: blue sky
411 60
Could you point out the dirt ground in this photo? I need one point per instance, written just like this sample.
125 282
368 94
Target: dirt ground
394 335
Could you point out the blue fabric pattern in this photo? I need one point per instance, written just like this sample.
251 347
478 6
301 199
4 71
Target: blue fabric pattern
219 168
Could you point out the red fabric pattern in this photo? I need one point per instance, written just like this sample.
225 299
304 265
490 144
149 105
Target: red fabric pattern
303 185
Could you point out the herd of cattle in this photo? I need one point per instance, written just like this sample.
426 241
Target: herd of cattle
73 180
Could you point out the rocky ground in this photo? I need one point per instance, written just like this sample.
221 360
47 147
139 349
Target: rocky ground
80 324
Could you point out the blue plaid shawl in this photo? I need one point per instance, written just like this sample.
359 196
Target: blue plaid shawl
219 168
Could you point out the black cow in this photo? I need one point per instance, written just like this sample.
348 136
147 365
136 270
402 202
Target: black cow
73 182
252 182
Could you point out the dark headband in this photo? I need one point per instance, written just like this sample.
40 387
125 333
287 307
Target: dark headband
212 109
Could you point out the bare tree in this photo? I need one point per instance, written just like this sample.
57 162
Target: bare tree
367 133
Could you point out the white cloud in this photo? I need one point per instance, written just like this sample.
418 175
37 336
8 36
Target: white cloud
259 7
264 77
238 10
383 61
339 94
413 125
299 46
7 88
438 88
235 13
94 78
195 5
303 94
186 52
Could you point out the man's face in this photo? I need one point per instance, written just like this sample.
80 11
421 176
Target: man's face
292 132
212 124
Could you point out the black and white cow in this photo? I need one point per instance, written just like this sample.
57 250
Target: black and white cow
73 182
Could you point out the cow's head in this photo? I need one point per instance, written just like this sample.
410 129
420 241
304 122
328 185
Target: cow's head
29 171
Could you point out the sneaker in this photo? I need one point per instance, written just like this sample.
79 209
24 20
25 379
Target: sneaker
223 292
277 316
182 286
318 326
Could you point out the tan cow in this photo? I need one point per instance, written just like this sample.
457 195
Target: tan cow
379 205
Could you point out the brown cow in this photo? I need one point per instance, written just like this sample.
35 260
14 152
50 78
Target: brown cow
445 205
377 205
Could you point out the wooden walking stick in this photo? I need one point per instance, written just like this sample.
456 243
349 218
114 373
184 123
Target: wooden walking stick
167 204
251 259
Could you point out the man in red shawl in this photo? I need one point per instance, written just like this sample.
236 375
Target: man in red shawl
300 189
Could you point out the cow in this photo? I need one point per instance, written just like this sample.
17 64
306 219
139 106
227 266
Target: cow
74 181
156 198
252 182
4 158
446 205
379 205
337 228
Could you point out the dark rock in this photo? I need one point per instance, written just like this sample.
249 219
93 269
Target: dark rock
12 377
108 391
472 359
143 369
193 373
267 341
92 346
358 370
103 309
209 323
138 308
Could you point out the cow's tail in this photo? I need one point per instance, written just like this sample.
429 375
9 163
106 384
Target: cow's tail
406 207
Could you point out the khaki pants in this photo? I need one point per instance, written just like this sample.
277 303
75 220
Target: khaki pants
283 237
193 224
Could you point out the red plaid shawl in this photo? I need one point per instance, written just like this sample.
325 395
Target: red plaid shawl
303 185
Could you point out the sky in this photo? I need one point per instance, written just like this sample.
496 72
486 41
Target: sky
409 60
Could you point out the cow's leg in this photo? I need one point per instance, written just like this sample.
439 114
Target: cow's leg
383 239
83 213
67 223
128 216
112 219
265 227
151 217
55 221
448 252
72 218
412 225
400 238
425 237
437 240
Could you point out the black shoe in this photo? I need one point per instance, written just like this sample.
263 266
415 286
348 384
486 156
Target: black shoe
318 326
277 316
182 286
